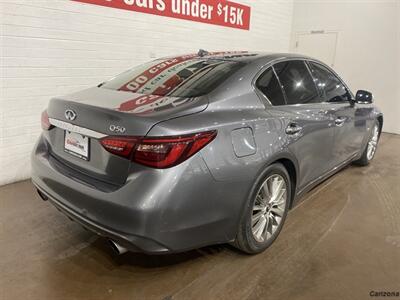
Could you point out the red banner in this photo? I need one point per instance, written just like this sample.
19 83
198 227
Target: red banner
220 12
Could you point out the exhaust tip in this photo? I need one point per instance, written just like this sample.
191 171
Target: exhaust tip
43 196
117 249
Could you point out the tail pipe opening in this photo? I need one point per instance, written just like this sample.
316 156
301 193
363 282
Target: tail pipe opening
43 196
118 249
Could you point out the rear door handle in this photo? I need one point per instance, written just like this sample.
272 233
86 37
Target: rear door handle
340 121
293 128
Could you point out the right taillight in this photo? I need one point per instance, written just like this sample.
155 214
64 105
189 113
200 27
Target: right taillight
158 152
45 122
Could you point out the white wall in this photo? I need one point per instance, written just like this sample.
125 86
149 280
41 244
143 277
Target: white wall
52 47
398 49
368 49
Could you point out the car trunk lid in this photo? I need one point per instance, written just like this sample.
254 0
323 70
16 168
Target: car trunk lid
82 119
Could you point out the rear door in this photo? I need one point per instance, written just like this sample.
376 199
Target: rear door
306 126
350 120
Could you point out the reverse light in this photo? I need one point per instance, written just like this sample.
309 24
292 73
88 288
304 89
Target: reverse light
45 122
158 152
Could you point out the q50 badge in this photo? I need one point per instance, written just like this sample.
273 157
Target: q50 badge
117 129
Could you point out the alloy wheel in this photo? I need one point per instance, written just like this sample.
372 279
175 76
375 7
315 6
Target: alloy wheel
373 143
269 208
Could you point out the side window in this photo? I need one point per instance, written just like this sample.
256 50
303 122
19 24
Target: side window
331 86
268 84
297 82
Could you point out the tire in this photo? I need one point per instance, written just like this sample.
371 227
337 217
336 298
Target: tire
249 239
373 140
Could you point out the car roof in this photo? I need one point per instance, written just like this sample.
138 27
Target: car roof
244 56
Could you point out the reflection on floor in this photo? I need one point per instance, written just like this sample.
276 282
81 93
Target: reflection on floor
341 242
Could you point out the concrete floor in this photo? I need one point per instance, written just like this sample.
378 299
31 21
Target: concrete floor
341 242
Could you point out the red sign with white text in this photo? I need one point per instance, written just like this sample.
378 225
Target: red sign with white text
220 12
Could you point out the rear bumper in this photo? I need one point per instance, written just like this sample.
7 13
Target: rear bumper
130 242
155 211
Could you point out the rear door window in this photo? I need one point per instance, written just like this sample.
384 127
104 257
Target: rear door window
331 86
269 85
297 82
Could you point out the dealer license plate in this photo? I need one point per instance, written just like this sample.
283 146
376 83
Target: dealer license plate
76 145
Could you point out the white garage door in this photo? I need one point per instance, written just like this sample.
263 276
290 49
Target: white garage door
319 45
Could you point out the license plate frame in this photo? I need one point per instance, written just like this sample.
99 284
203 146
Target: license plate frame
77 145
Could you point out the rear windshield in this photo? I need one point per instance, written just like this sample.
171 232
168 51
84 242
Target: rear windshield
177 77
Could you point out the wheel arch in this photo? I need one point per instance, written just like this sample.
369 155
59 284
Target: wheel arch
286 161
291 169
289 161
380 120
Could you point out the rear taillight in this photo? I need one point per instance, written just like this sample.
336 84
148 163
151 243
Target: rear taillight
160 152
119 145
45 122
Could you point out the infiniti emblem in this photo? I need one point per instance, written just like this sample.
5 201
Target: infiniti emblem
70 114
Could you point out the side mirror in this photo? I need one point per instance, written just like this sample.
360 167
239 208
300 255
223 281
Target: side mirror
364 97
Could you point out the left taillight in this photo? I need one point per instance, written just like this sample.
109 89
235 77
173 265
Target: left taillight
45 122
158 152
